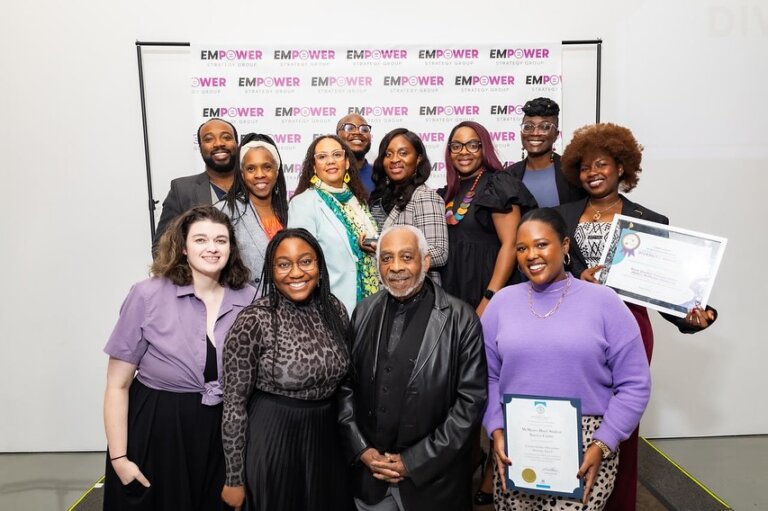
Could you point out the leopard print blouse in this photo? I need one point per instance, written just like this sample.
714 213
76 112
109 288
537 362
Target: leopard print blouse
301 360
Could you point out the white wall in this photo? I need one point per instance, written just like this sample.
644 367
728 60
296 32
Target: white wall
74 220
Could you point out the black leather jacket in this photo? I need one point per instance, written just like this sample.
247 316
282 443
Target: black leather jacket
444 402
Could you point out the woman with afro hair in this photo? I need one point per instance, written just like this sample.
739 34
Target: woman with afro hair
605 159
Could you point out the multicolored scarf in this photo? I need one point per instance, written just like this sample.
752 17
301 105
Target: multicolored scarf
339 203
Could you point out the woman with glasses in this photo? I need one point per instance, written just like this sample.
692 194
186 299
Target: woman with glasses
605 159
257 203
401 196
162 404
483 208
284 359
539 170
330 203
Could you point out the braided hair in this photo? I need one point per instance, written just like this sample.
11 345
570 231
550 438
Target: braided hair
239 192
330 308
541 107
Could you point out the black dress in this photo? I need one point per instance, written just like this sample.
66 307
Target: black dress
473 243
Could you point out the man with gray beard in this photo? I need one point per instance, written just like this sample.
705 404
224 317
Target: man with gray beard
417 389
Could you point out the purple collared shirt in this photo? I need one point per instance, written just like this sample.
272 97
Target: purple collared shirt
162 330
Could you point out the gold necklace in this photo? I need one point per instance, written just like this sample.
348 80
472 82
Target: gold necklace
557 305
598 212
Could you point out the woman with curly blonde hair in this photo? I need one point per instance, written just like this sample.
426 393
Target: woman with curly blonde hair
605 159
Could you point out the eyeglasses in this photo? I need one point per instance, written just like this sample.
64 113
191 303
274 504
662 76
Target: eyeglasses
543 127
285 267
472 146
348 127
326 157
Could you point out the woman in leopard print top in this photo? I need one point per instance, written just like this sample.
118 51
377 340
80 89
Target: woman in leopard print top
284 359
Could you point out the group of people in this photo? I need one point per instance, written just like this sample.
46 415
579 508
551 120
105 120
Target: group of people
347 349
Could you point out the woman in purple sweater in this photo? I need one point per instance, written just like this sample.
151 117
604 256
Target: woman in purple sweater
558 336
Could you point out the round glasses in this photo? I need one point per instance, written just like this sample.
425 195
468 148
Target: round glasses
472 146
348 127
327 157
543 127
285 267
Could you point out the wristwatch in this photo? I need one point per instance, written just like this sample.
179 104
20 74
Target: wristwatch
489 294
607 453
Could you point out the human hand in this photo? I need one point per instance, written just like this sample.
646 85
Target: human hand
367 245
234 496
499 451
699 318
383 466
391 469
588 470
481 307
128 471
589 274
380 465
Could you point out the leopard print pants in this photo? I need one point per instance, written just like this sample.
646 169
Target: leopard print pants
601 490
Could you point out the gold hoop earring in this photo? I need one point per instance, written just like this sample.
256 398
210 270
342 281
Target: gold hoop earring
347 179
314 179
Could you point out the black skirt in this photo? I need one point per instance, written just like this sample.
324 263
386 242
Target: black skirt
176 442
293 457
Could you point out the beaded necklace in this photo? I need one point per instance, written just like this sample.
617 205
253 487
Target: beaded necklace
452 218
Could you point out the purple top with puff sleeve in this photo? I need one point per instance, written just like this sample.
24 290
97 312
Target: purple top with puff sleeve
590 349
162 330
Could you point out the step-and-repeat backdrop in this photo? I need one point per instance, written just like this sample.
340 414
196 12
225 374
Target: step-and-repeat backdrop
295 94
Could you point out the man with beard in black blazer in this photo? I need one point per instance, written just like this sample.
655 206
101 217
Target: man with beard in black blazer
217 140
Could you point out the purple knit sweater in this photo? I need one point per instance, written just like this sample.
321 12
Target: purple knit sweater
590 349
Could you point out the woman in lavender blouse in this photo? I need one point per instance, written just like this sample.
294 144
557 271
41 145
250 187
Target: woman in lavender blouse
162 405
558 336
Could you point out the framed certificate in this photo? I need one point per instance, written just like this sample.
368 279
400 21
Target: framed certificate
543 440
665 268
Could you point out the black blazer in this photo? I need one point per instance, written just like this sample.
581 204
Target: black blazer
572 212
565 190
443 404
185 193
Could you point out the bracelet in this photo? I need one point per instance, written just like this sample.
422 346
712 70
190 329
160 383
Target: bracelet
118 457
606 451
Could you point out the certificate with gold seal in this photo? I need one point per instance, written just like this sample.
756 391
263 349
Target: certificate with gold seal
543 440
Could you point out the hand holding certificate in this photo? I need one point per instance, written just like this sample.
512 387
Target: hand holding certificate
658 266
543 442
